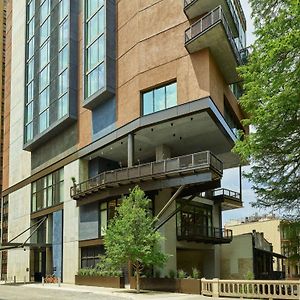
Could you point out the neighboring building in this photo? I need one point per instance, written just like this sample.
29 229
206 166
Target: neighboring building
115 94
3 204
250 254
279 233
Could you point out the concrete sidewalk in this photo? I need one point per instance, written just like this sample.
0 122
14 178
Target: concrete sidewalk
120 293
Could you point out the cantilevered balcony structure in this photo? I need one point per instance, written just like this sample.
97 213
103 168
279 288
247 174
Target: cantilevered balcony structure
198 168
213 31
229 199
196 8
203 234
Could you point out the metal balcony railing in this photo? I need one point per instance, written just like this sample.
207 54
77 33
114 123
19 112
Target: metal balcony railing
231 7
207 22
177 166
193 232
226 193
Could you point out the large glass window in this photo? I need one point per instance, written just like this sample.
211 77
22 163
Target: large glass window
63 82
44 120
63 33
30 70
95 49
30 29
159 98
92 6
31 48
90 256
63 9
95 80
45 54
95 53
44 77
63 58
45 31
44 10
47 191
63 105
30 9
95 26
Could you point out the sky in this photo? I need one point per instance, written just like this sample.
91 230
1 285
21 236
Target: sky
231 176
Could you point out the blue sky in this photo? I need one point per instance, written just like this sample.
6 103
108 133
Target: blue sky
231 176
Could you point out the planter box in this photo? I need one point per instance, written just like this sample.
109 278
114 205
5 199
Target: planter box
155 284
189 286
113 282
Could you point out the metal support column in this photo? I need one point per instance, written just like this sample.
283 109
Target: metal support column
130 150
240 175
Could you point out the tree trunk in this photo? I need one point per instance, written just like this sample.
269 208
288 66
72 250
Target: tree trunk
137 280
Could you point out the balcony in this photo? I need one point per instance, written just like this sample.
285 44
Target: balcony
212 31
203 234
197 168
195 8
228 198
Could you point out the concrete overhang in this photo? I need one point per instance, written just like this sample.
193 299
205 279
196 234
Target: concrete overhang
188 128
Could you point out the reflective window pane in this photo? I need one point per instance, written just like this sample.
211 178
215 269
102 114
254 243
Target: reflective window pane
95 53
63 33
171 94
30 29
29 132
95 26
44 31
30 91
44 11
44 120
159 99
63 59
92 6
96 80
45 54
44 100
44 77
30 70
29 113
63 82
63 106
63 9
148 103
31 48
30 9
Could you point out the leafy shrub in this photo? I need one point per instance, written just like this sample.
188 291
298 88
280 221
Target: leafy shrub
172 274
195 273
157 274
181 274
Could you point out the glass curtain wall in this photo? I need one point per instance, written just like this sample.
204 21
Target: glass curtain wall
94 49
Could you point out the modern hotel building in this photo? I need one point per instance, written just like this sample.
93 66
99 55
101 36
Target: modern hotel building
105 95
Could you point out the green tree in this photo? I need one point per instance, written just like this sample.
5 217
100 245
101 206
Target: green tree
272 103
130 236
291 241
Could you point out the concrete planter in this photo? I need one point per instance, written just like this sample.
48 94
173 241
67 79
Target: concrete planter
189 286
186 286
113 282
155 284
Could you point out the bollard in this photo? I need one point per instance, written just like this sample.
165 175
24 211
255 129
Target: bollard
58 281
43 281
15 279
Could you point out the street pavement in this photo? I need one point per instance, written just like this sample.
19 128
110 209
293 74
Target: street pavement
69 291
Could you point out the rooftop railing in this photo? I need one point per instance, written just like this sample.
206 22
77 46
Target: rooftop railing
176 166
209 21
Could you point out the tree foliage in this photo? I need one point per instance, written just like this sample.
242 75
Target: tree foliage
291 241
130 236
272 103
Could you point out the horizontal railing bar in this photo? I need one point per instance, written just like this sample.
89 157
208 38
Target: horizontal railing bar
167 166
